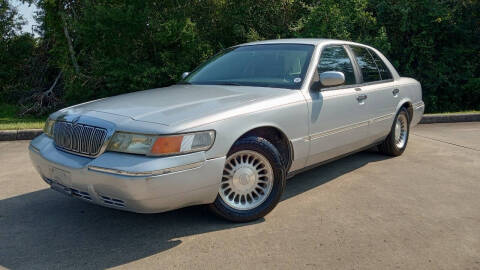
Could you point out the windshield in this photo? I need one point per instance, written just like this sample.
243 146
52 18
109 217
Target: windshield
271 65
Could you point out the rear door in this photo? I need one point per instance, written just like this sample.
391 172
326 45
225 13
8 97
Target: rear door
378 86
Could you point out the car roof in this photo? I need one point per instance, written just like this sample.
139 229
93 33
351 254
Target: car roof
309 41
321 41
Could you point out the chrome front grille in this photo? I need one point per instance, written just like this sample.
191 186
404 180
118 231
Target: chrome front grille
79 138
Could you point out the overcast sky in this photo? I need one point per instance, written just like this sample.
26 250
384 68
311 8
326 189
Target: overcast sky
27 12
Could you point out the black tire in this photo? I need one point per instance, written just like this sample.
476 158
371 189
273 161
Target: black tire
389 146
265 148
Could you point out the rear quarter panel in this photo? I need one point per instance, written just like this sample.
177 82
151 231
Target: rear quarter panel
411 92
410 89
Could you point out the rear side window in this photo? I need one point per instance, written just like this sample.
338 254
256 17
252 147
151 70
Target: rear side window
382 68
367 64
335 58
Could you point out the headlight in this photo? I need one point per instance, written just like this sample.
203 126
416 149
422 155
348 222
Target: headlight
48 128
161 145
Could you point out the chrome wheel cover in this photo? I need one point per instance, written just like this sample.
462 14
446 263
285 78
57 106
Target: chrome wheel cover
401 130
247 180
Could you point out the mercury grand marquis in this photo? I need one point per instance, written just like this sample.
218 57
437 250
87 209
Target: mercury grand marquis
231 132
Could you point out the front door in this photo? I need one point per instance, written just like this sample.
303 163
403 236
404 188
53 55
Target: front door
338 115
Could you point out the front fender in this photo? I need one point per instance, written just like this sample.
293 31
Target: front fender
291 119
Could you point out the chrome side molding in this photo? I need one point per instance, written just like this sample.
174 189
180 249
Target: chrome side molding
148 173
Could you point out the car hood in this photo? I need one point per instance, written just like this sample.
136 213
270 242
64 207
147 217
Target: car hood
178 103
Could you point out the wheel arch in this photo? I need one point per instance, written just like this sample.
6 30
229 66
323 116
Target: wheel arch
275 136
407 104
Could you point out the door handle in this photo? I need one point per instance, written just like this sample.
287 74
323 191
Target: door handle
358 89
361 97
395 91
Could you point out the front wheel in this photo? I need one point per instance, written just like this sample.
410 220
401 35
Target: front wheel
252 183
396 142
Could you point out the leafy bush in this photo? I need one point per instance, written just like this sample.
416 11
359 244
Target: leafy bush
108 47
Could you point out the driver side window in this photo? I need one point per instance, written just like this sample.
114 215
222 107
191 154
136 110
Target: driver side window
335 58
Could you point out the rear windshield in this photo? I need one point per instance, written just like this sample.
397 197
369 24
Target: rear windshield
266 65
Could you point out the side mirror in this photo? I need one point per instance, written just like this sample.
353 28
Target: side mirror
332 78
185 74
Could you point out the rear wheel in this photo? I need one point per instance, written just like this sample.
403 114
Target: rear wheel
253 181
396 142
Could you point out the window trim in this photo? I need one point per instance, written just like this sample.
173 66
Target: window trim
313 78
358 74
373 58
340 87
359 68
368 50
383 62
355 68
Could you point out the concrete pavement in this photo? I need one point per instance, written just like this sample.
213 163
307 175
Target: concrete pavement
366 211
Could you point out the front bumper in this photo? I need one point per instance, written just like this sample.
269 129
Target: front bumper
129 182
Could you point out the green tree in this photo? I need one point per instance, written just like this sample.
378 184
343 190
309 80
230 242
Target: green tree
15 53
121 46
346 20
96 48
438 43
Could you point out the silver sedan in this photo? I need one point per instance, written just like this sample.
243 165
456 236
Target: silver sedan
231 132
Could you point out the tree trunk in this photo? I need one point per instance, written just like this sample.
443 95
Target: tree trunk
42 98
70 45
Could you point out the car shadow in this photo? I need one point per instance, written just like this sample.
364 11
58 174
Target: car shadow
45 230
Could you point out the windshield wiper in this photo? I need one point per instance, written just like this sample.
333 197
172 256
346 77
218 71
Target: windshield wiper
183 83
